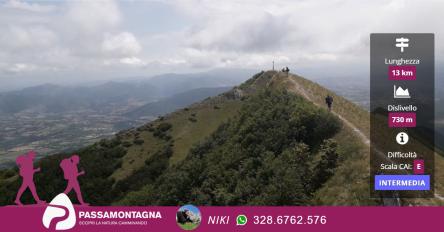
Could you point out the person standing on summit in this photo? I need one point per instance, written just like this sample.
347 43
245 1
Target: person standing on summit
329 102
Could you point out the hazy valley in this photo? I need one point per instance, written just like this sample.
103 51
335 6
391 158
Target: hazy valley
52 118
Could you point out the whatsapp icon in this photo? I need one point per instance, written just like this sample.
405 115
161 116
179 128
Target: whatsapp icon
241 220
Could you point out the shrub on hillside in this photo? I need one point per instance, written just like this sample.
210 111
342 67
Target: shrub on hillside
262 157
126 144
161 131
138 141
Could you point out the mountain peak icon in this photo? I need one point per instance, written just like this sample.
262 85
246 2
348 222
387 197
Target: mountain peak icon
400 92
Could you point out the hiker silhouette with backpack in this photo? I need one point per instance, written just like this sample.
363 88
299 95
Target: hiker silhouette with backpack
329 102
26 164
70 173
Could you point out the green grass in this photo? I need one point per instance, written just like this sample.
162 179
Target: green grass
187 133
137 154
208 115
188 225
350 111
350 184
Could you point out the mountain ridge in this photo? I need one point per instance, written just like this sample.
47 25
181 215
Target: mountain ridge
158 149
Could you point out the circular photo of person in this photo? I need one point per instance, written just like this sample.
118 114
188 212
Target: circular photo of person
188 217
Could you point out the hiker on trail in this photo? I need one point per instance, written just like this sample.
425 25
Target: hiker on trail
26 164
70 173
329 102
285 69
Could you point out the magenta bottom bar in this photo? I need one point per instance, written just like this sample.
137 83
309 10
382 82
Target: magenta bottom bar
29 218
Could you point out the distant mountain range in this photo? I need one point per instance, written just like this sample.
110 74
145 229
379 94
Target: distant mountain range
175 102
57 99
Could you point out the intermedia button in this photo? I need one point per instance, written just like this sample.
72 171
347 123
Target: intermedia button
402 182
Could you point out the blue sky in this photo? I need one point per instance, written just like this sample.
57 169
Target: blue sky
77 41
191 208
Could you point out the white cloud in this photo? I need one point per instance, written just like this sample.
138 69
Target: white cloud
19 68
81 36
27 38
122 44
34 7
301 34
93 16
262 31
88 35
132 61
